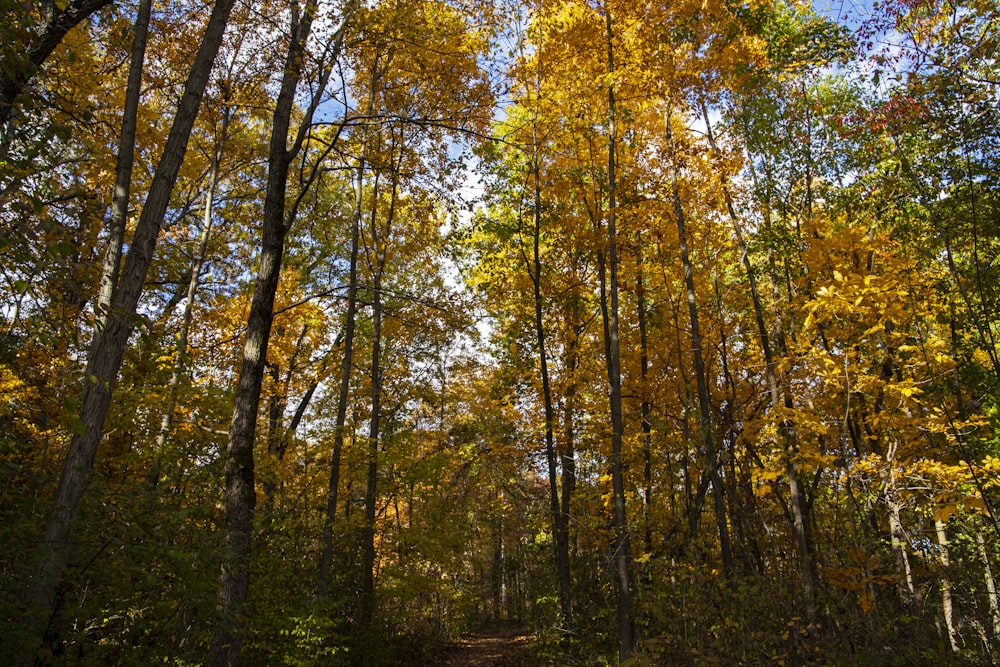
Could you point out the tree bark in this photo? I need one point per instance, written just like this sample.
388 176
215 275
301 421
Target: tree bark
946 605
559 525
350 316
991 586
567 451
379 246
368 557
645 407
897 534
786 427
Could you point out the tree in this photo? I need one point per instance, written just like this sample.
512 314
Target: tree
730 262
108 346
278 218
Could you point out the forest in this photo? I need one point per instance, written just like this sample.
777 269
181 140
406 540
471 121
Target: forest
334 330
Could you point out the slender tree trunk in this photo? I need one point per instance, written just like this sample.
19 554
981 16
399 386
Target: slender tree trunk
728 435
897 534
991 586
622 547
181 349
241 496
559 517
567 452
379 247
326 555
559 527
350 316
786 427
701 380
123 168
946 607
108 346
645 407
368 556
277 403
692 499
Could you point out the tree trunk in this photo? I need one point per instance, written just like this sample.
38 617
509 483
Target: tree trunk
123 168
701 380
567 452
108 346
379 246
897 534
728 435
350 316
326 554
692 500
559 524
991 586
786 427
368 556
241 495
181 349
946 607
645 407
622 547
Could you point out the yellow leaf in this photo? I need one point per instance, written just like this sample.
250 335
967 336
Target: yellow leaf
867 602
944 511
857 555
975 503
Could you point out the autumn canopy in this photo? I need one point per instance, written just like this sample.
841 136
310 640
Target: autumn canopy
333 330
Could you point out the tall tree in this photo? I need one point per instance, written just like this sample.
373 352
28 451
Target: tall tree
277 220
344 387
194 280
108 346
778 398
609 307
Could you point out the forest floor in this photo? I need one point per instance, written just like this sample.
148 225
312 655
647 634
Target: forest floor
501 646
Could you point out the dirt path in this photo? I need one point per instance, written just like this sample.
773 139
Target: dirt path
494 647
